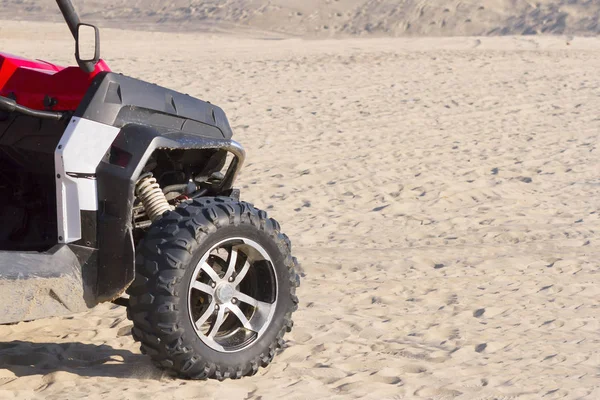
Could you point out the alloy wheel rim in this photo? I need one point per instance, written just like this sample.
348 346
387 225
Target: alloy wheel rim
232 295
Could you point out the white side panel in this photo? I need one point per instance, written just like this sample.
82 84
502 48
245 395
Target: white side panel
69 219
80 150
88 194
84 144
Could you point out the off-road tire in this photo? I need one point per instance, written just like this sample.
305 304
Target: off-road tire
158 304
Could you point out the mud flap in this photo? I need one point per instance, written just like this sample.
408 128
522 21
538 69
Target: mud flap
41 285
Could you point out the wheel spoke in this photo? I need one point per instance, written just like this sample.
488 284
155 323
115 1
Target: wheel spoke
240 277
209 311
262 310
203 287
233 254
212 274
261 314
246 299
218 322
240 315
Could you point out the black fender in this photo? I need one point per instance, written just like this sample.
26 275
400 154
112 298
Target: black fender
118 100
116 177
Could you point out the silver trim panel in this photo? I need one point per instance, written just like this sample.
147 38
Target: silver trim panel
80 150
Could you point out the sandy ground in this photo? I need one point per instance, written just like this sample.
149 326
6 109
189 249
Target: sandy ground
442 195
326 18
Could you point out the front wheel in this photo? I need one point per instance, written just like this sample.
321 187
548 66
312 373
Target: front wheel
214 289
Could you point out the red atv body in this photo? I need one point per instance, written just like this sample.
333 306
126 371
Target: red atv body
41 85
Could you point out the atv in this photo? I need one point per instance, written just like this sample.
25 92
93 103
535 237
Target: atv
117 190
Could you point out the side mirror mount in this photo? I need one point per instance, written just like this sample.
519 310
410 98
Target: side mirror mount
87 47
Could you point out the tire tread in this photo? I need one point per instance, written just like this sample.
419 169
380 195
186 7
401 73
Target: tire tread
159 267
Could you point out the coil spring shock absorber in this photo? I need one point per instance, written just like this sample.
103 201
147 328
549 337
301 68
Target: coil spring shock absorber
152 197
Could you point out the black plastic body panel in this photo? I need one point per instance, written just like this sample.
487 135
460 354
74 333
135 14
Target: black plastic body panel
151 117
116 186
30 142
89 229
118 100
27 182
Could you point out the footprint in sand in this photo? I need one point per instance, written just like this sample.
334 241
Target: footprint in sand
124 331
441 334
414 369
475 383
301 336
327 374
438 394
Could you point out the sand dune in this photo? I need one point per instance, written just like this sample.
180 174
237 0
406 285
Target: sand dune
441 194
319 18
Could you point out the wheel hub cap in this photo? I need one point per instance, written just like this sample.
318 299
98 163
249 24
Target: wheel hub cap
224 293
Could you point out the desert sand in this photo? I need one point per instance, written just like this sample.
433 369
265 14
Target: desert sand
441 194
330 18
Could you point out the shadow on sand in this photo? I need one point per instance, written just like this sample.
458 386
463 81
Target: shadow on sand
27 358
